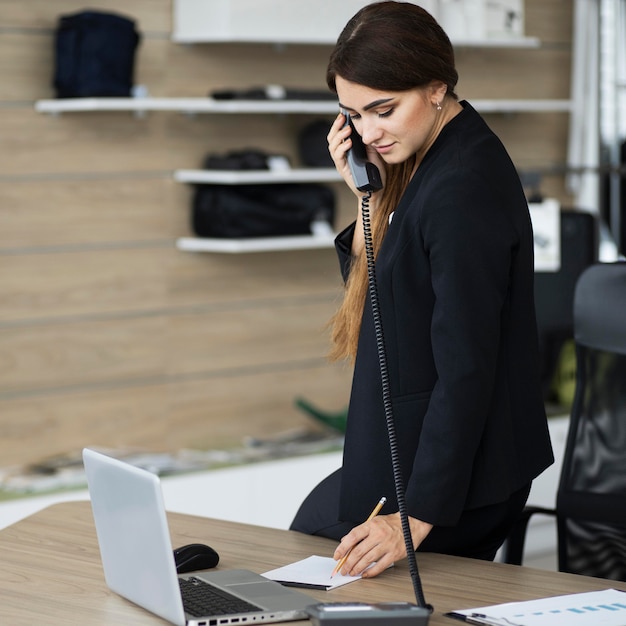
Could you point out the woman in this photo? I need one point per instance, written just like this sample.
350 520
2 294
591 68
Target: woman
454 266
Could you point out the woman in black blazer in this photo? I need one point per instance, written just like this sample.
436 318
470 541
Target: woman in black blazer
454 267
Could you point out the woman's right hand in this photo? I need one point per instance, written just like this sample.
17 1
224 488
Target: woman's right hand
339 142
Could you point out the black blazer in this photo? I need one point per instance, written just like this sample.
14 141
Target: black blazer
455 281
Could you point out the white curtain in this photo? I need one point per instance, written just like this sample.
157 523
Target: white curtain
598 118
584 147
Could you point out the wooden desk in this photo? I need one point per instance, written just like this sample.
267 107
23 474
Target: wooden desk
51 571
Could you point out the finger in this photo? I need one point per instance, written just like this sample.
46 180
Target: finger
362 557
338 150
343 548
349 541
339 121
340 143
363 554
336 126
379 566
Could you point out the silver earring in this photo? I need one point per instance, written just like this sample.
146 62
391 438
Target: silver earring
438 106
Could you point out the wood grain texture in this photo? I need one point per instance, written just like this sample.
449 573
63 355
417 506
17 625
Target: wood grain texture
53 570
202 412
131 348
550 20
58 213
127 281
86 144
152 16
534 74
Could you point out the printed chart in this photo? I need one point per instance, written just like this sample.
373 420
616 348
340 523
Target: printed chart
598 608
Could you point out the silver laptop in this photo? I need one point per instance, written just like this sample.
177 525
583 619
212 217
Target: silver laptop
138 559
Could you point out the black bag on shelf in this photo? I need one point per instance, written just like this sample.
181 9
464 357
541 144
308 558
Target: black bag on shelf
94 55
313 146
241 211
250 159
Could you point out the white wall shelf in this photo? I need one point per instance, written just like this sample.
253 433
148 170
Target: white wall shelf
251 177
256 244
210 105
296 175
491 42
522 106
498 42
184 105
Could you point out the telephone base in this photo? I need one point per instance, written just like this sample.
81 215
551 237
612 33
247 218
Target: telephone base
365 614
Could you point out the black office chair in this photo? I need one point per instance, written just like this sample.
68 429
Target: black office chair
591 497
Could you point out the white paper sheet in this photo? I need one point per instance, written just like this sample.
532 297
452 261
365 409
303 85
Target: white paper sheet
313 573
546 220
595 608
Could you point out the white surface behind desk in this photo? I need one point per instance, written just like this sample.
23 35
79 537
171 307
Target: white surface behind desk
269 494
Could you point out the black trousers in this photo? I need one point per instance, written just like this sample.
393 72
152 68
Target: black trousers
479 533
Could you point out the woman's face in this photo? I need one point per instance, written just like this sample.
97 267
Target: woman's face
396 124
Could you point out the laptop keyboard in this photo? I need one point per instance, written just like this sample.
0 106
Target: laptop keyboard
201 599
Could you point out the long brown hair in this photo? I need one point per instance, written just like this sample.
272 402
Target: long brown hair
388 46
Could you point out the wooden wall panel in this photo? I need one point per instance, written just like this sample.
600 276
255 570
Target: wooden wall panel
152 15
25 64
88 143
484 74
263 336
228 66
187 140
202 413
45 425
96 142
258 405
116 349
70 212
81 353
109 335
48 286
213 279
550 20
534 140
113 281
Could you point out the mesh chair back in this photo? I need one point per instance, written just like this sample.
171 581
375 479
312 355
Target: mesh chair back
591 499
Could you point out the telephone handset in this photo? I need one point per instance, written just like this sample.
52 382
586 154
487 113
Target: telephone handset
365 174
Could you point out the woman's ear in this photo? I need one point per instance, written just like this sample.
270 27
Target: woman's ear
438 90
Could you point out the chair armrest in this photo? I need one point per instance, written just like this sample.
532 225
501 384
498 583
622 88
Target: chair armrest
513 549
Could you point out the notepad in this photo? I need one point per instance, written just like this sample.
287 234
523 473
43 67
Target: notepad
595 608
311 573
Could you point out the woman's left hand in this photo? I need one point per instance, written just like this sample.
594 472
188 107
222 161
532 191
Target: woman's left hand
379 541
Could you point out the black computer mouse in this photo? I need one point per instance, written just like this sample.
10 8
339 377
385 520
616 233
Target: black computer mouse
195 556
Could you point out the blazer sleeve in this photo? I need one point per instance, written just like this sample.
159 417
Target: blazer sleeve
343 246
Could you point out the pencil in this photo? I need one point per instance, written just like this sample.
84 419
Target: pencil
373 514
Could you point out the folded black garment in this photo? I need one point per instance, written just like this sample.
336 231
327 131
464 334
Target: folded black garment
272 92
250 159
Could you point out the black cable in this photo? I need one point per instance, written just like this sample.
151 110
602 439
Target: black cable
391 429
